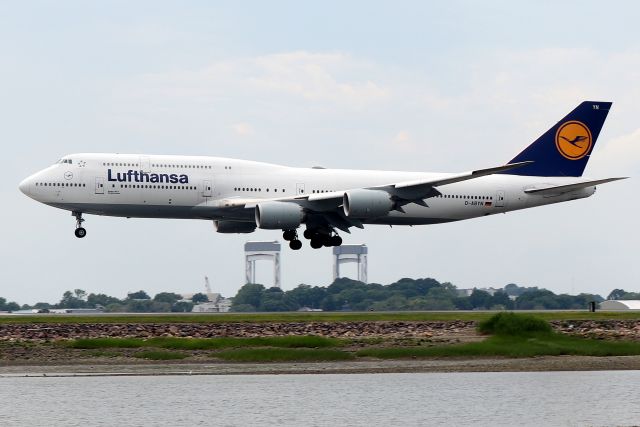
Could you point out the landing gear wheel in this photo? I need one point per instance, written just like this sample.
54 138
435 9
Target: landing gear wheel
316 243
295 244
289 235
308 234
80 232
336 240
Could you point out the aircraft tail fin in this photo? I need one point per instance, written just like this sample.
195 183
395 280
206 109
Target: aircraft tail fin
564 149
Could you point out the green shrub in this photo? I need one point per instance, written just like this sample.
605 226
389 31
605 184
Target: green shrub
512 324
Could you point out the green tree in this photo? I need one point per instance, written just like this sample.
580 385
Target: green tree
250 294
500 299
616 294
199 298
536 300
12 306
147 306
73 299
307 296
115 308
103 300
462 303
480 299
168 297
138 295
243 308
273 299
182 307
42 306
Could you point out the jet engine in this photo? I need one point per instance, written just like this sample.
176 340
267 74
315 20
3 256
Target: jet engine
234 227
279 215
366 203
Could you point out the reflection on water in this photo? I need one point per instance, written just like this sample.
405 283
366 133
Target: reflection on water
524 399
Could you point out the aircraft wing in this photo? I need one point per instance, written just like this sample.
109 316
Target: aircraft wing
326 207
556 190
422 189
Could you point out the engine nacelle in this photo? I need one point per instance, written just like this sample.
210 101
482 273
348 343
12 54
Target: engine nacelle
366 203
279 215
234 227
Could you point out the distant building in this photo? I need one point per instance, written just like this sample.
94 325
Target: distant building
614 305
220 305
468 292
213 296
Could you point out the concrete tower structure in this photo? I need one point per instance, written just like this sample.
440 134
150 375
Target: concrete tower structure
351 253
254 251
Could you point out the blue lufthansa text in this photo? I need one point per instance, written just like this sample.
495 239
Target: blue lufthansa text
140 176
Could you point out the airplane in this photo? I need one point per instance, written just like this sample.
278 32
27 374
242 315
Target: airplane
240 196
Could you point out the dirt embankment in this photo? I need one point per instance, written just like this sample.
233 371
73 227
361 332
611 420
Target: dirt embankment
55 331
446 330
600 329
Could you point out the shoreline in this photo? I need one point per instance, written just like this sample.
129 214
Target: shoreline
536 364
34 350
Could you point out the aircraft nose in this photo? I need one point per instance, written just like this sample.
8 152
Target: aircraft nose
25 186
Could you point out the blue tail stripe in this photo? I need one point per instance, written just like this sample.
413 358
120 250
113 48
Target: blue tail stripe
564 149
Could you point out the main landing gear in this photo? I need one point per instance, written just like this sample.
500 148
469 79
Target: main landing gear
317 238
292 237
80 231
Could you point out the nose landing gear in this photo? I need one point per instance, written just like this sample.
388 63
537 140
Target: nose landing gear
80 231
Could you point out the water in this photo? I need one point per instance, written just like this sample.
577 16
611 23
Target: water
430 399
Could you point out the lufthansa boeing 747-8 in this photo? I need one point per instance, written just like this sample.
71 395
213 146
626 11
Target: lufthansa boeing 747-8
240 196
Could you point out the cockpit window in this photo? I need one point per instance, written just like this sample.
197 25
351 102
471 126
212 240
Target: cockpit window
68 161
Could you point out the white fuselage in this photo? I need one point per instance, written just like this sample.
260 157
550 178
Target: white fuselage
146 186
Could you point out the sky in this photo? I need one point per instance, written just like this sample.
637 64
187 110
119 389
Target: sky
405 85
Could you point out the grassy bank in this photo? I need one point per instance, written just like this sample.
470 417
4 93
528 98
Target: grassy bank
205 343
508 335
514 335
304 317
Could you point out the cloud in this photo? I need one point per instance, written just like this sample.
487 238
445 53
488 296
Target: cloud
620 155
498 102
334 78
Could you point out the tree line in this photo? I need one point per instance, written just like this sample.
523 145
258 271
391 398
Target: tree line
135 302
405 294
342 295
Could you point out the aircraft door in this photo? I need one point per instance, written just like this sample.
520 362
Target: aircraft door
500 199
207 188
99 185
299 189
145 165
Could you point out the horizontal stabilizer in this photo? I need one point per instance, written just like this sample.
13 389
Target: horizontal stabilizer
561 189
